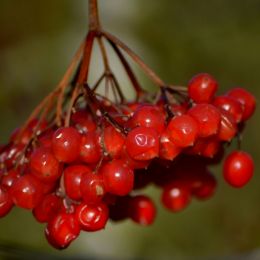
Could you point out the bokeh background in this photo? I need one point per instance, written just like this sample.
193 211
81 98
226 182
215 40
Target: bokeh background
178 39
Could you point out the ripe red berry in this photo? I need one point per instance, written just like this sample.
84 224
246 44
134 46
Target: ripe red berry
66 144
230 105
113 141
168 150
238 168
92 188
92 217
142 143
176 196
202 88
246 99
44 165
6 202
90 149
183 130
228 127
208 119
118 177
148 116
27 192
62 230
48 208
83 121
9 179
142 210
72 180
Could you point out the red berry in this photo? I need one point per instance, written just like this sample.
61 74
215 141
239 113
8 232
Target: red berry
62 230
66 144
113 141
48 208
208 118
118 177
228 127
142 143
6 202
183 130
44 165
148 116
72 180
83 121
176 196
9 179
238 169
230 105
92 218
92 188
27 192
142 210
90 149
246 99
202 88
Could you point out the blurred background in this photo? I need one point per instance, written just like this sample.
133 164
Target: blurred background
178 39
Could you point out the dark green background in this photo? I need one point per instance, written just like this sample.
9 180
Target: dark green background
178 39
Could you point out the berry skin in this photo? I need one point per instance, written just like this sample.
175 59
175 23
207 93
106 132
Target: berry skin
228 127
148 116
168 150
92 218
83 121
238 169
118 177
208 118
44 165
9 179
27 192
6 202
113 141
176 196
62 230
72 180
246 99
183 130
92 188
90 149
202 88
230 105
66 144
48 208
142 210
142 143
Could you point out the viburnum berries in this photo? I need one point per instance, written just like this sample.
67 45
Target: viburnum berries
79 159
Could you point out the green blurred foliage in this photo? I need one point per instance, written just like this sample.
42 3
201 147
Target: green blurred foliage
178 39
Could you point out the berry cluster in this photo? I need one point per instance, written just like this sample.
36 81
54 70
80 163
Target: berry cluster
76 177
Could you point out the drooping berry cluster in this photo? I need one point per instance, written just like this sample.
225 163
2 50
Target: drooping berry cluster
77 177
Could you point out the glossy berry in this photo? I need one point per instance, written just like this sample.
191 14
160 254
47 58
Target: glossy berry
62 230
92 188
202 88
90 149
9 179
48 208
142 143
228 127
183 130
44 165
142 210
113 141
118 177
72 180
83 121
208 119
230 105
92 217
176 196
27 192
168 150
148 116
66 144
6 202
238 169
246 99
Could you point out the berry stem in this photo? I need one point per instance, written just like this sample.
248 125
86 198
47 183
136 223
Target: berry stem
153 76
94 23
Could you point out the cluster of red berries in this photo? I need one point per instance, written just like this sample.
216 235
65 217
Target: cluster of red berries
78 177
